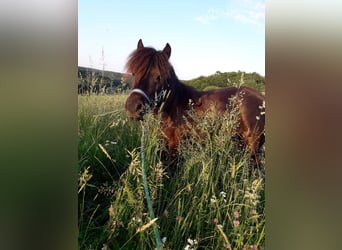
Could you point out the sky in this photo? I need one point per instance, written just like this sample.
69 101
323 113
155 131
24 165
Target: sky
205 35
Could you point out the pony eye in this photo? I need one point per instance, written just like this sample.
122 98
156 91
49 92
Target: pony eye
158 78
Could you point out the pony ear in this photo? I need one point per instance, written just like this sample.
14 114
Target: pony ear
167 50
140 44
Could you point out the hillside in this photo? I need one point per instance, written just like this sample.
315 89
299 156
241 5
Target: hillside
107 75
102 81
108 82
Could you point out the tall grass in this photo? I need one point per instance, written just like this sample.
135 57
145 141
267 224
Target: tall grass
210 199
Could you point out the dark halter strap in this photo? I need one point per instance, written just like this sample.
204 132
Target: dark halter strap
157 98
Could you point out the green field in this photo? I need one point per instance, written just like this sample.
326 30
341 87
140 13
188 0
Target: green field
211 200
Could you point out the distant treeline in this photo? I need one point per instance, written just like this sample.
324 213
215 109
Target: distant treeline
219 80
108 82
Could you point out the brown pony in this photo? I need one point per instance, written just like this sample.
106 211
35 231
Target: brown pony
155 82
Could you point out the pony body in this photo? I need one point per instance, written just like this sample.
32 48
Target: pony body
157 87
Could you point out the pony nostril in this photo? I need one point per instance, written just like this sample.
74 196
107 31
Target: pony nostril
139 106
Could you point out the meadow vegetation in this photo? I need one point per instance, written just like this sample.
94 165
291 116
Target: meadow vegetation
209 199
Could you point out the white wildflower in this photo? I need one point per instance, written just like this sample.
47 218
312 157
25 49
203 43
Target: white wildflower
191 244
223 194
213 199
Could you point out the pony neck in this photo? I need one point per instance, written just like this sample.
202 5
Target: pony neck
179 97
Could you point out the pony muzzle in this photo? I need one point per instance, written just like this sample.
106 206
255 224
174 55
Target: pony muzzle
139 91
137 104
